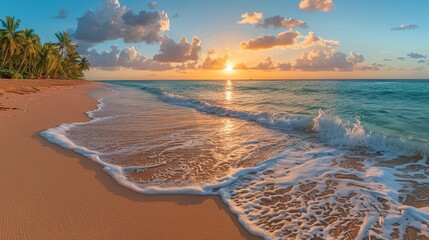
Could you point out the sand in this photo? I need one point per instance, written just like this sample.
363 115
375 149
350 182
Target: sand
21 86
51 193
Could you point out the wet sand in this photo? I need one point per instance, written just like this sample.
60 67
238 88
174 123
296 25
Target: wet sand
51 193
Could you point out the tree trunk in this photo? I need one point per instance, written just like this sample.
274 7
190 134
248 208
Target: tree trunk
4 59
24 68
22 63
33 68
56 73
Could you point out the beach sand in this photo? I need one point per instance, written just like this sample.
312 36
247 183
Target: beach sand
51 193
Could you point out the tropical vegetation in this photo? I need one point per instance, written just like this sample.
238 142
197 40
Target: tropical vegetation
23 55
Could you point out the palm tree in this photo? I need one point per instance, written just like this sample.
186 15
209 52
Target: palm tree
84 64
9 38
34 57
65 44
65 48
48 60
25 55
30 43
70 65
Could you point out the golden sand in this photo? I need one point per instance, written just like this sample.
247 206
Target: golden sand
26 86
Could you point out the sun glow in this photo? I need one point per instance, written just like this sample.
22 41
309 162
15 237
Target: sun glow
229 68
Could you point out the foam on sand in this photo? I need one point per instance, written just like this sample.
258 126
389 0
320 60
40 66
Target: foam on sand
307 177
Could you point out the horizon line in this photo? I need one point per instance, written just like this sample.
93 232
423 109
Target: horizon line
273 79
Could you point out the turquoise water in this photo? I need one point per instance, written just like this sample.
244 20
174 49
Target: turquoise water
292 159
399 108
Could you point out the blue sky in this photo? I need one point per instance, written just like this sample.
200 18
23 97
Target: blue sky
363 27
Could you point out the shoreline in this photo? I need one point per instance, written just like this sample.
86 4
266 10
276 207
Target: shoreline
50 192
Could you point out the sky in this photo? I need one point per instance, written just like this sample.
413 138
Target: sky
238 39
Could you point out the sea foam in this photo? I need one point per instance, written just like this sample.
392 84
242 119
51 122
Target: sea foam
331 129
320 186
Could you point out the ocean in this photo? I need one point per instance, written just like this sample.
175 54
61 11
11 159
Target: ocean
292 159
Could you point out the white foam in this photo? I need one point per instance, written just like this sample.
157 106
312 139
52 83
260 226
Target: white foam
303 163
59 136
331 129
293 211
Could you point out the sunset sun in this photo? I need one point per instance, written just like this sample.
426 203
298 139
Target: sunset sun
229 68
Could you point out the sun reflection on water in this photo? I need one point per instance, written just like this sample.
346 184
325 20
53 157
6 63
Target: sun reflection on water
228 91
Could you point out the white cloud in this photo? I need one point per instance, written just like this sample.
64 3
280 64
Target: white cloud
111 21
403 27
311 39
320 60
316 5
251 18
183 51
213 62
283 39
128 58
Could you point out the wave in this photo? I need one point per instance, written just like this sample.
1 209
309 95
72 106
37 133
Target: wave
337 132
331 129
60 135
244 189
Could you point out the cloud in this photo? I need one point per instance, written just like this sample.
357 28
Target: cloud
266 65
421 61
401 58
275 21
62 14
288 39
316 5
176 15
144 27
241 66
187 66
127 58
372 67
111 22
403 27
317 60
83 47
102 25
387 60
416 55
152 5
321 60
311 39
355 58
285 66
283 39
212 62
183 51
251 18
105 59
281 22
157 66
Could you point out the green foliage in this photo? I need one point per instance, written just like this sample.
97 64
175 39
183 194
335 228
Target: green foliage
12 74
22 55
